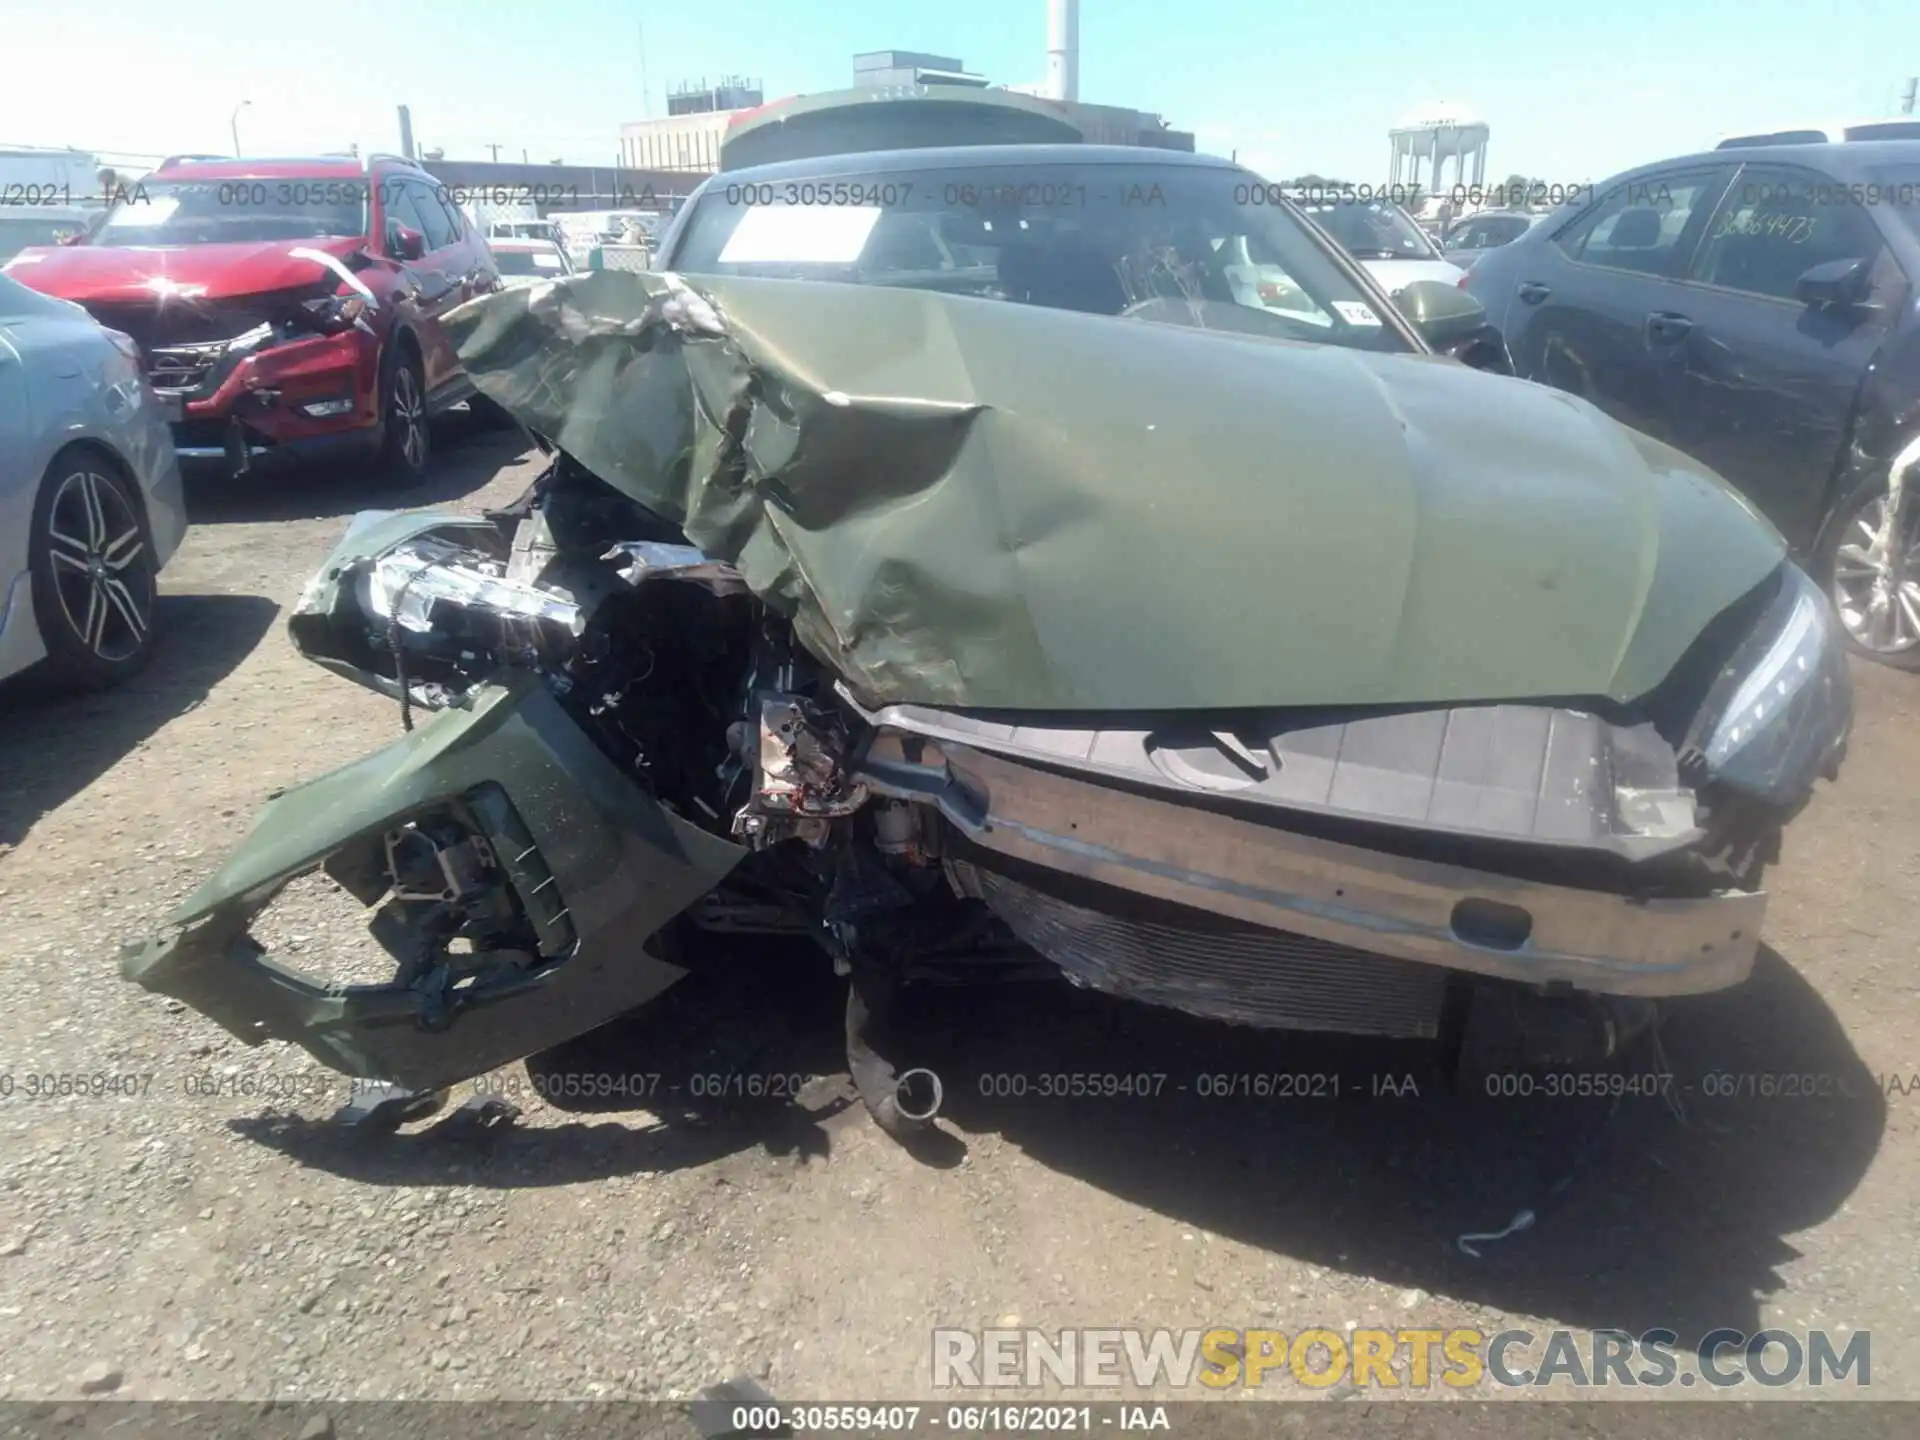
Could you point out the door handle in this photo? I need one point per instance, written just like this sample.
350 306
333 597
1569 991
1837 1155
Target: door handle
1533 292
1665 327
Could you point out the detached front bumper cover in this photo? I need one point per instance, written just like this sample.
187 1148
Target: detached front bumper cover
576 868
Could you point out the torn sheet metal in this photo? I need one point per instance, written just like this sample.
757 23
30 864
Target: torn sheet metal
643 560
973 503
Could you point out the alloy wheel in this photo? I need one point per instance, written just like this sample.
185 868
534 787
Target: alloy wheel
102 570
1876 582
409 411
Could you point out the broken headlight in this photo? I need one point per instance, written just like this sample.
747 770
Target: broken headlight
333 314
1779 714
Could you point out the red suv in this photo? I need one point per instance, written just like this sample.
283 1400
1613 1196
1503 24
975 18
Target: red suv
285 307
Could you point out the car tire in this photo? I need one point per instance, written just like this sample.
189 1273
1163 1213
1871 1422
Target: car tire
94 574
1856 563
406 438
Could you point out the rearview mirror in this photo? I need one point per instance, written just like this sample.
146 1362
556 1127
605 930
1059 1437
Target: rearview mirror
1454 323
408 244
1834 282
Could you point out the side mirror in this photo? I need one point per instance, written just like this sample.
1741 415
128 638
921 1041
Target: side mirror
1835 282
1454 323
408 243
1443 314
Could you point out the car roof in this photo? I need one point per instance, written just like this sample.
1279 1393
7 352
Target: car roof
1832 130
1847 158
954 157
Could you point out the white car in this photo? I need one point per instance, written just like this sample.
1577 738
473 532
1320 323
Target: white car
524 230
527 262
1381 236
90 502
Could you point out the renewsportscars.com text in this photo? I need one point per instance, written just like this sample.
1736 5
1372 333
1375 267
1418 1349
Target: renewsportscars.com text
1417 1359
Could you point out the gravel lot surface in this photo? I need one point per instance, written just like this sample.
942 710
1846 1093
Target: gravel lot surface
176 1243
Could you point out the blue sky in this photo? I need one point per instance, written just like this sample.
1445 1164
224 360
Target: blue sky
1570 93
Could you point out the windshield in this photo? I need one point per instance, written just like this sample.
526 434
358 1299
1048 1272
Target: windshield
1213 247
1373 230
211 212
530 262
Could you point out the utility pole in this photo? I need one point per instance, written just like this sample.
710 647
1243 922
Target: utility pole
1906 100
496 153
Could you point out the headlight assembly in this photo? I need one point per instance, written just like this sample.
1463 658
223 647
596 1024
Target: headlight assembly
333 314
1781 710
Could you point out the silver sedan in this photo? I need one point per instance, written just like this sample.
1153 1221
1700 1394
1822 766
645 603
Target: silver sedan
90 503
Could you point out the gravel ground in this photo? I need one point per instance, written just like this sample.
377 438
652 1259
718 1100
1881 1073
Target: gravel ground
176 1243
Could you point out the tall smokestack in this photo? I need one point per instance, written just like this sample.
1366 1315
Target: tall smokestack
406 132
1063 49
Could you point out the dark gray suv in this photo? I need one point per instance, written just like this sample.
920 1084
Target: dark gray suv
1754 307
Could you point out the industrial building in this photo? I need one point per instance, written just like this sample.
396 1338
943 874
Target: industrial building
887 69
688 138
1097 124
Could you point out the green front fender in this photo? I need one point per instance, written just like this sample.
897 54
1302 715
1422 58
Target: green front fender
596 865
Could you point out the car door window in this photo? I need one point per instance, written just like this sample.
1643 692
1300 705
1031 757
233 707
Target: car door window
401 212
444 199
1775 224
1470 236
434 221
1639 226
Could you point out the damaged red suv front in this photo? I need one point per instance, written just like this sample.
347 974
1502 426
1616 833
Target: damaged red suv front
287 308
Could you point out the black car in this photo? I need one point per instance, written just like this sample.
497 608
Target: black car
1756 309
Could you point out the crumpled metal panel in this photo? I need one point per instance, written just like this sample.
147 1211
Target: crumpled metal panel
975 503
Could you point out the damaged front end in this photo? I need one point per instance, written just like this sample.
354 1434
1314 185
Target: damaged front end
792 654
516 873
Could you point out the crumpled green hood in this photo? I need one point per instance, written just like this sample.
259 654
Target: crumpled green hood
974 503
